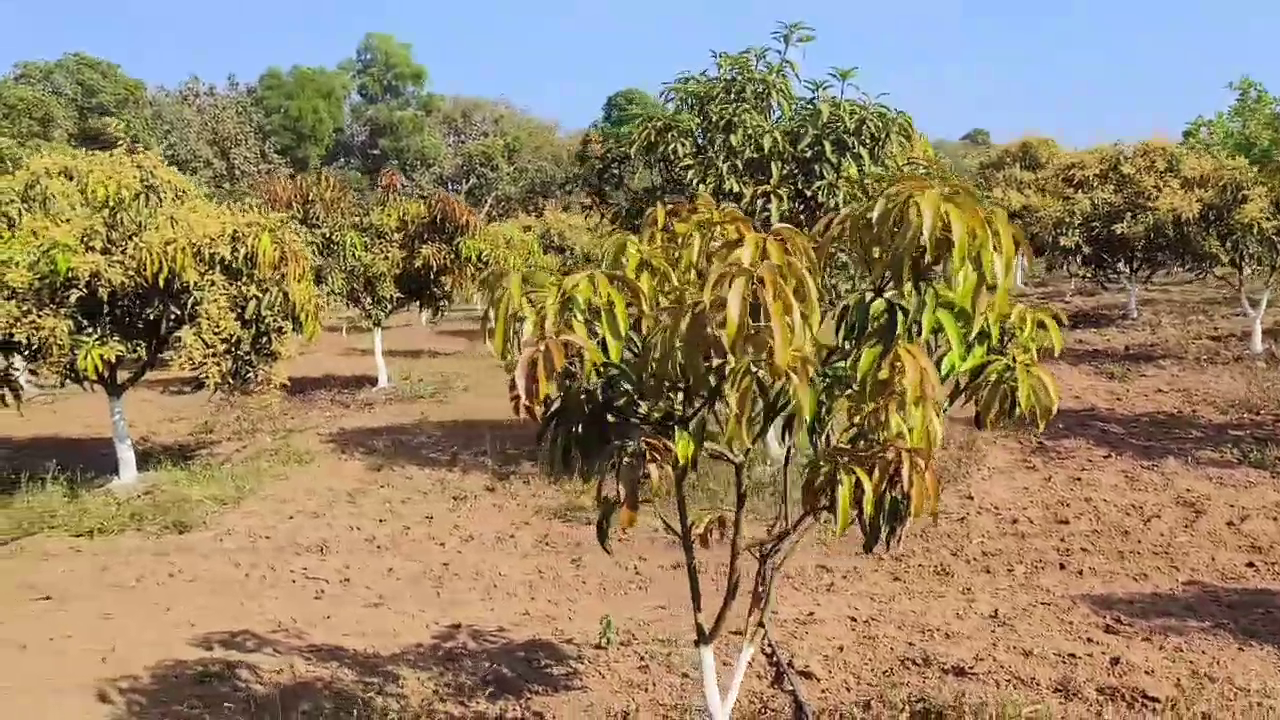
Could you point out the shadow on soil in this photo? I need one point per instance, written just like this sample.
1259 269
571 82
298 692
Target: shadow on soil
1250 614
463 672
328 384
472 335
85 461
1095 318
299 386
412 353
1098 356
1154 436
496 446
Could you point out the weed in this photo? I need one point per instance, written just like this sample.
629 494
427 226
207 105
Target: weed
173 499
1116 372
1259 455
412 385
608 636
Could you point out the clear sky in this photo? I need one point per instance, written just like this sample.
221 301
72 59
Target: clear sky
1084 72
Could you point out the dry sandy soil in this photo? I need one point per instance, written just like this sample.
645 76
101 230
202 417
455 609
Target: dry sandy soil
1124 564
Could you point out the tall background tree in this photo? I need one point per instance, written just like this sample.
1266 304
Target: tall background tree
389 125
499 159
304 110
100 106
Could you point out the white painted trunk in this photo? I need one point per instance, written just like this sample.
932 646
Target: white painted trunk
126 458
710 682
719 708
1131 310
1020 272
383 379
739 674
422 318
1256 345
774 449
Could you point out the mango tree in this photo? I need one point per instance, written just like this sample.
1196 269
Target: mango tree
1126 213
1243 209
113 262
1240 217
702 343
403 252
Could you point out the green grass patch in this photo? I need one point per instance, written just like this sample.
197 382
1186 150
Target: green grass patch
171 499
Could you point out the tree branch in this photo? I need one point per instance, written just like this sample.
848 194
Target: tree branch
690 555
734 583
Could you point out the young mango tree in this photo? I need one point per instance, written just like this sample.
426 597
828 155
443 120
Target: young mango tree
702 343
403 253
122 263
1126 213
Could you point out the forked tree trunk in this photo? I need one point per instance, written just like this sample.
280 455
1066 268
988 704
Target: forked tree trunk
383 379
718 707
126 457
1255 314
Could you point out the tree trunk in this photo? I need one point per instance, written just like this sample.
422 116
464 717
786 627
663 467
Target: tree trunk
383 379
710 682
1131 310
1019 272
126 457
1255 314
735 683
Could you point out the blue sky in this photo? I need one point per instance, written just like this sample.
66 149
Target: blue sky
1084 72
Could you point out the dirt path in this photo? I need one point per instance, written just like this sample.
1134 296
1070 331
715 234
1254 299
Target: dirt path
1123 562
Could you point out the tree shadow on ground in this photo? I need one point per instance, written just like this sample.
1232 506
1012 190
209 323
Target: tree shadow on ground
411 353
1153 436
487 445
470 334
1095 318
84 462
463 672
1250 614
300 386
175 384
1099 356
328 384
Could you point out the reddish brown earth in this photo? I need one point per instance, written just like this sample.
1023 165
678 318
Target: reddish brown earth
1124 564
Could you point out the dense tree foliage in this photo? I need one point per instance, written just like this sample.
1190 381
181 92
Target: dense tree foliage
98 106
305 109
753 131
500 160
1126 213
215 135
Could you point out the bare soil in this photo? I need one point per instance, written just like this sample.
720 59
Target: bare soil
1126 563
